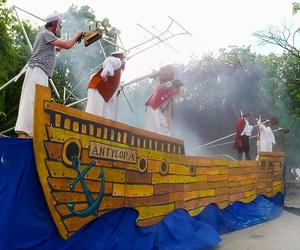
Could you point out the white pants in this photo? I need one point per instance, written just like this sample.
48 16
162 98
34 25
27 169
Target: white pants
33 77
266 146
156 122
96 105
263 146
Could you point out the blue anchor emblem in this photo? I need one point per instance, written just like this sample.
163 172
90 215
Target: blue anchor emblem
93 204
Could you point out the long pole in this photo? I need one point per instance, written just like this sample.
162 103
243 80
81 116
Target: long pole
23 29
225 143
14 79
225 137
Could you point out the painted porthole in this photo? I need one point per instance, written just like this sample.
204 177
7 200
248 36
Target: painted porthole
164 168
142 165
193 170
71 148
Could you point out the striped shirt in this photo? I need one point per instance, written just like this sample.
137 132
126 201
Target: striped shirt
43 53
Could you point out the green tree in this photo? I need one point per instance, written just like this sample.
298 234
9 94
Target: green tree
72 66
13 53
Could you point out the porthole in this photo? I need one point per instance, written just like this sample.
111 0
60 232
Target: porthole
142 165
164 168
72 147
193 170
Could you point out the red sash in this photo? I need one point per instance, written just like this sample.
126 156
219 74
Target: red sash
162 96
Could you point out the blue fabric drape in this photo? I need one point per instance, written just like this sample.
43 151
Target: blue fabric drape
25 221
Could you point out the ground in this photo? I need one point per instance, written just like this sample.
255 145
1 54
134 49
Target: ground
282 233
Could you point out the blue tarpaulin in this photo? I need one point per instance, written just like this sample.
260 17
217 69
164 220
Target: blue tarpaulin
26 223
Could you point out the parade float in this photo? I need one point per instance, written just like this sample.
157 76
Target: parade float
124 188
87 182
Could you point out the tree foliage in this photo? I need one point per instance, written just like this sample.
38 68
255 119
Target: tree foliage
13 53
73 66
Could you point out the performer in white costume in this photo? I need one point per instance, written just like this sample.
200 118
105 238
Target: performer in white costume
101 94
159 107
40 68
265 138
155 121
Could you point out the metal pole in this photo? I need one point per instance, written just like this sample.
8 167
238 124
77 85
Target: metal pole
162 40
79 101
81 80
127 100
180 26
53 86
124 85
23 29
222 138
139 79
114 44
102 49
153 38
158 37
29 13
225 143
7 130
14 79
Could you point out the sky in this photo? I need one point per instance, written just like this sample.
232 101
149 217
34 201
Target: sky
213 25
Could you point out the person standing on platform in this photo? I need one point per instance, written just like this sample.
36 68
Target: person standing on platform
41 64
265 137
101 94
159 107
243 133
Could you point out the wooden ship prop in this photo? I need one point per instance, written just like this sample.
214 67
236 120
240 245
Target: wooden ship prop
89 165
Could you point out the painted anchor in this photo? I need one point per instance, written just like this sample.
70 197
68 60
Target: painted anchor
93 204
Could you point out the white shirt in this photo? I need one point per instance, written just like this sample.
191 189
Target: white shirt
266 133
247 129
109 65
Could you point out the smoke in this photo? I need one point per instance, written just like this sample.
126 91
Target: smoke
79 62
217 88
215 92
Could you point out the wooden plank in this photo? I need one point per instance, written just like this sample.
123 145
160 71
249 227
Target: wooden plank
234 190
131 190
176 196
150 200
217 178
204 185
53 150
236 197
158 178
146 212
164 188
199 193
63 184
212 170
138 177
150 221
179 169
242 177
196 211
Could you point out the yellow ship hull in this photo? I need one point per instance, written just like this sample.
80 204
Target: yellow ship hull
89 165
